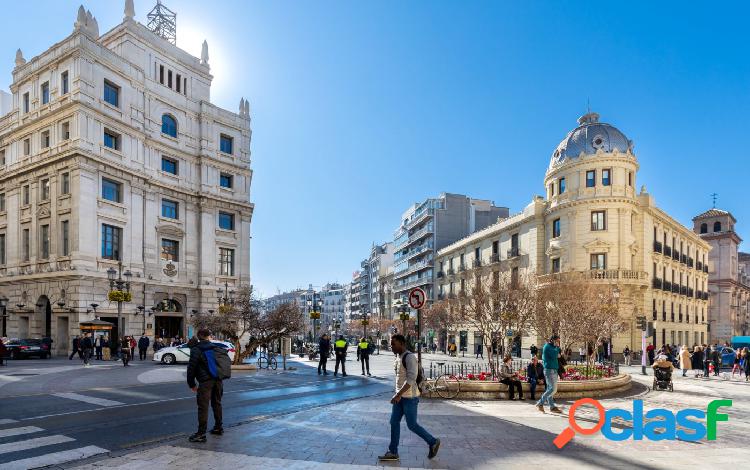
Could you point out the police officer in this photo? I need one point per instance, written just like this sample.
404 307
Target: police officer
339 347
324 347
363 355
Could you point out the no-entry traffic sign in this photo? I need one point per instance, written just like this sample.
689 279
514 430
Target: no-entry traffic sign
417 298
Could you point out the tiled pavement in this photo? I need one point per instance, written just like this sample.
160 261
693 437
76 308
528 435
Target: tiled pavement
480 435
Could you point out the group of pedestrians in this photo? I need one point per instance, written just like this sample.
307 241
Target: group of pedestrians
706 361
365 348
104 349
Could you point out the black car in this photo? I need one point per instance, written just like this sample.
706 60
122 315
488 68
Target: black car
23 348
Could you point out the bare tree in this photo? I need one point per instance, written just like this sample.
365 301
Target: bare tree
244 319
580 311
493 303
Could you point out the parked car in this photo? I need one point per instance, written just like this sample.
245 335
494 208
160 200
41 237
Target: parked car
727 356
181 353
23 348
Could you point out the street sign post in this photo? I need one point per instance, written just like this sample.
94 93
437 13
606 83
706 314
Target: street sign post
417 299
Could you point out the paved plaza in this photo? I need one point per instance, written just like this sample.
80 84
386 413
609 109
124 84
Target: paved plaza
474 434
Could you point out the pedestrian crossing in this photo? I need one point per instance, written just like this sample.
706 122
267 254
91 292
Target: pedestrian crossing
27 447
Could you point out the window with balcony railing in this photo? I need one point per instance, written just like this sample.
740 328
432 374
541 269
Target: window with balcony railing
657 247
667 250
495 258
667 286
657 283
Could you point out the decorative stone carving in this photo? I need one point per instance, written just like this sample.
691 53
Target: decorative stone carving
597 245
129 10
204 53
170 269
247 109
242 106
19 58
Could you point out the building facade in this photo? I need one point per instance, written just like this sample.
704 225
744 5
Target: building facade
113 153
593 222
429 226
728 280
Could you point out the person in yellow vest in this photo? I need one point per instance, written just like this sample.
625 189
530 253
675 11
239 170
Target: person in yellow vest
339 347
363 355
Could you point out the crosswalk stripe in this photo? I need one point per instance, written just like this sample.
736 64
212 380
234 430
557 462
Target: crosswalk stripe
7 421
87 399
34 443
19 431
54 458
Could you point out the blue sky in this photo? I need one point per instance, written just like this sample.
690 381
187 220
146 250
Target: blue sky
362 108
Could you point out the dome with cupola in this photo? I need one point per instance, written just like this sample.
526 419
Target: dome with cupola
588 138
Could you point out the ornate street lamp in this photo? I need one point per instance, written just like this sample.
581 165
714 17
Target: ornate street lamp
314 309
119 291
3 306
225 296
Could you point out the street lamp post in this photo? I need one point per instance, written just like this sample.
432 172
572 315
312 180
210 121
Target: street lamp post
225 296
120 285
365 322
403 314
3 306
312 305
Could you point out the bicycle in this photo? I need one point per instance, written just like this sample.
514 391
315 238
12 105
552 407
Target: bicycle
267 361
444 385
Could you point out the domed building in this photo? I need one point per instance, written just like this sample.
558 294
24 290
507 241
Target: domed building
594 223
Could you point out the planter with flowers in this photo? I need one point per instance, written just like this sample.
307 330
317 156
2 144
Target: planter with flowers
574 384
119 296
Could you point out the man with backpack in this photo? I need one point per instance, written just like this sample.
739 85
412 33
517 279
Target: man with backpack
324 348
209 365
409 377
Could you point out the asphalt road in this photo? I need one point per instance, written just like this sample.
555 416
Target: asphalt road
56 411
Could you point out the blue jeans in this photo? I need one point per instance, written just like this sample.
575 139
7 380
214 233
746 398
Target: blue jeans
407 407
550 377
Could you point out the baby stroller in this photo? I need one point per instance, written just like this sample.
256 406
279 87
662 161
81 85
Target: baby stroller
663 379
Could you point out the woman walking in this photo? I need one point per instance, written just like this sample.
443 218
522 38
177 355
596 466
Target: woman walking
685 362
736 366
697 361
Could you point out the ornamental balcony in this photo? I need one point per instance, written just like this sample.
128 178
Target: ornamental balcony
667 250
656 283
658 248
495 258
477 262
667 286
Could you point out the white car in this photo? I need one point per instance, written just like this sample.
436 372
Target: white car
181 353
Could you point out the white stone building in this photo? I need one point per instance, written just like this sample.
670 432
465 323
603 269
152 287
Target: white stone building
593 222
113 152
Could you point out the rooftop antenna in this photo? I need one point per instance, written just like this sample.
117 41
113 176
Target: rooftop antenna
163 22
714 196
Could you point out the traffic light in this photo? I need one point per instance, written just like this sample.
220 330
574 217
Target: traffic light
650 329
641 321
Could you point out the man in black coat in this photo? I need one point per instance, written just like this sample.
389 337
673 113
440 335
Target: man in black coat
716 358
209 388
143 343
324 348
87 348
535 375
76 348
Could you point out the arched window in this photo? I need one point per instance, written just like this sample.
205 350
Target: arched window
717 226
704 228
168 125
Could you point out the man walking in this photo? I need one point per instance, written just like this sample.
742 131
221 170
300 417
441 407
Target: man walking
87 348
125 351
143 343
76 348
324 348
406 401
550 353
363 355
339 347
203 368
626 355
